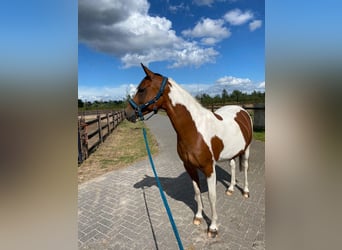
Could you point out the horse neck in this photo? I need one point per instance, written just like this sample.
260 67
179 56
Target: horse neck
180 106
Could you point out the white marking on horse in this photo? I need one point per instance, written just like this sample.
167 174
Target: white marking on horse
208 125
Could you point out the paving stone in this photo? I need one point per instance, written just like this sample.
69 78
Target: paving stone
123 209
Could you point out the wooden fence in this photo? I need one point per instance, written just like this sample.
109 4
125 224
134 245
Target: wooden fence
257 112
96 112
94 130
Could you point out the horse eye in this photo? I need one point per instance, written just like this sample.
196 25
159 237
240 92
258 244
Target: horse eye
140 90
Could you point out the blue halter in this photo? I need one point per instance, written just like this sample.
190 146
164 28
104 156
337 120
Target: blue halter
139 108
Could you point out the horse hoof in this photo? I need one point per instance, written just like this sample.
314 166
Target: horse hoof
197 221
246 194
229 192
212 233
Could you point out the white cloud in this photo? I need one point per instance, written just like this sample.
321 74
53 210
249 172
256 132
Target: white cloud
129 30
191 54
132 90
237 17
196 88
255 25
210 2
184 54
231 81
179 7
211 30
261 85
204 2
104 93
210 41
123 28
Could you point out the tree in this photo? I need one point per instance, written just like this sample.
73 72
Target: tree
235 95
206 99
224 95
217 99
80 103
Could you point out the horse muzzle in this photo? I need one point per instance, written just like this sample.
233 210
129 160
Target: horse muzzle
130 115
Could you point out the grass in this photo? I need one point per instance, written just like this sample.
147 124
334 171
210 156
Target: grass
259 135
122 148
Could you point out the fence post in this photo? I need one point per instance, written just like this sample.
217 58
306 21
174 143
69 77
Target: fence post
80 155
115 119
99 128
82 140
121 116
108 123
112 122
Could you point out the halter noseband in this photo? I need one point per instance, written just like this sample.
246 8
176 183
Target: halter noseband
138 108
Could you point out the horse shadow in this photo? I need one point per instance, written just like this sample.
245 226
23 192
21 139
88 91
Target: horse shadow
180 188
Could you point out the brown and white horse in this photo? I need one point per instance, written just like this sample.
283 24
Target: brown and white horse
203 137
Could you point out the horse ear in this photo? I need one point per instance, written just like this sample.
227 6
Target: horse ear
147 71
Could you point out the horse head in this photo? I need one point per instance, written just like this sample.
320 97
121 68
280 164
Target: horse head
149 96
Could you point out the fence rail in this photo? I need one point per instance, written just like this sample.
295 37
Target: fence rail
96 112
93 132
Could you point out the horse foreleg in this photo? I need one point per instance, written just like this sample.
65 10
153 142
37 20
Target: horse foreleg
198 216
230 189
195 182
211 181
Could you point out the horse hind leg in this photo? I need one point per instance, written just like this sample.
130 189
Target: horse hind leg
211 181
230 189
244 165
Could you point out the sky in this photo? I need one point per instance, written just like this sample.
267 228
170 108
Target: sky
204 45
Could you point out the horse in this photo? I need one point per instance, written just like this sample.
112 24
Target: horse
203 137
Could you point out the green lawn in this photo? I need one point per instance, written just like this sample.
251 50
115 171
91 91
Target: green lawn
259 135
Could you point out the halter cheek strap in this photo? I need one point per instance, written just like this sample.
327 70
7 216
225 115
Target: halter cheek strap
139 108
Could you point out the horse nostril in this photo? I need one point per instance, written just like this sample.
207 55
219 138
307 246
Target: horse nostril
129 115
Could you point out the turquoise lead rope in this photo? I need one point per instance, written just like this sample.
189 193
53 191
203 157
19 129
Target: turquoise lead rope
173 224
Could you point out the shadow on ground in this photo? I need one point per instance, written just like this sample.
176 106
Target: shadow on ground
180 188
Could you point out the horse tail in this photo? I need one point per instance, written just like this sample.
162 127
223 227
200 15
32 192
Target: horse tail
240 162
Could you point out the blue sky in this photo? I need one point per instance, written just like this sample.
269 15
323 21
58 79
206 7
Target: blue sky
204 45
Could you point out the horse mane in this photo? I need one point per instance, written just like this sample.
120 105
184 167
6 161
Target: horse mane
182 96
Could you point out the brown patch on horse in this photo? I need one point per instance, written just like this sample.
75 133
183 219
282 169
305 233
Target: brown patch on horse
216 146
191 147
218 117
242 118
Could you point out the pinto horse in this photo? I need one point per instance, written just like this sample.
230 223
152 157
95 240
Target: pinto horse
203 137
